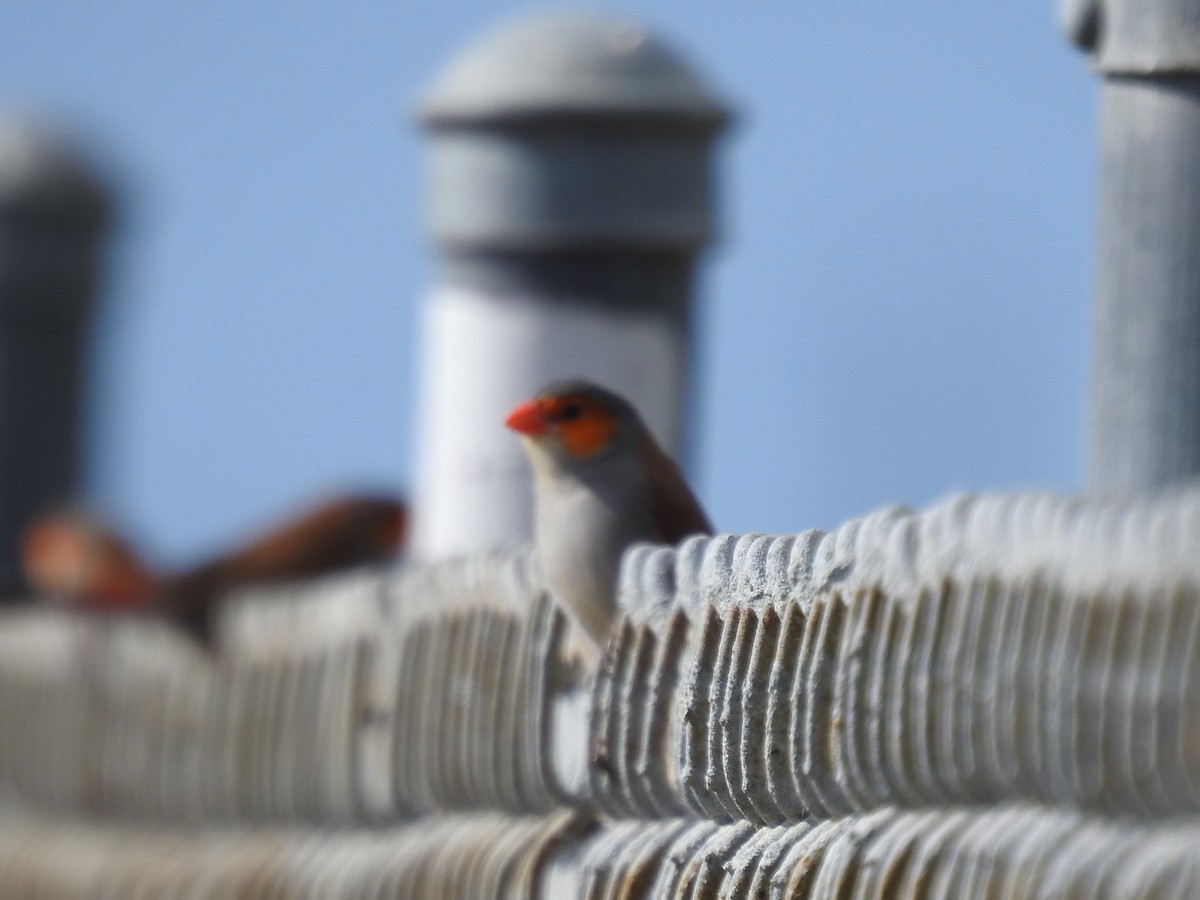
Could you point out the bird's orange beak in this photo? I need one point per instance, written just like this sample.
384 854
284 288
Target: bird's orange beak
527 419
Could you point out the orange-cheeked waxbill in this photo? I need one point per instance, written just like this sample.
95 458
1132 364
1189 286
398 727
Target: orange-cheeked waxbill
86 564
601 483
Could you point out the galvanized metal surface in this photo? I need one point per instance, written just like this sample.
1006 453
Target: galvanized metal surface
570 62
1145 399
766 711
1012 852
987 649
484 855
1136 37
572 189
571 129
363 698
1081 545
1145 417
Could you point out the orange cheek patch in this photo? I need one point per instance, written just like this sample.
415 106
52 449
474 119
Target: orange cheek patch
587 435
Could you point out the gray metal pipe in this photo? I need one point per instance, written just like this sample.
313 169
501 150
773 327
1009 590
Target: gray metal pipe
571 193
54 213
1145 401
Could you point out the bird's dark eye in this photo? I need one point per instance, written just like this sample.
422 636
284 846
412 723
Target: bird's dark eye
571 412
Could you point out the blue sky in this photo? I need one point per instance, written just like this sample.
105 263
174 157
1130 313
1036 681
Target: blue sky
898 306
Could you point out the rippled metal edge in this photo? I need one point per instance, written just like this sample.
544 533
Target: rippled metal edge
987 650
1012 852
481 855
320 702
1080 545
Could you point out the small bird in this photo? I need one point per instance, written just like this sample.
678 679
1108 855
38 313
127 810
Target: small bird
86 563
73 557
600 483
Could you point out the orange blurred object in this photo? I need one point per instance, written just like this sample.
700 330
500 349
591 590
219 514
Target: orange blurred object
85 563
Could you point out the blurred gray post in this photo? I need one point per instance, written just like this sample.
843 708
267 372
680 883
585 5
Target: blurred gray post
1145 415
53 217
571 191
